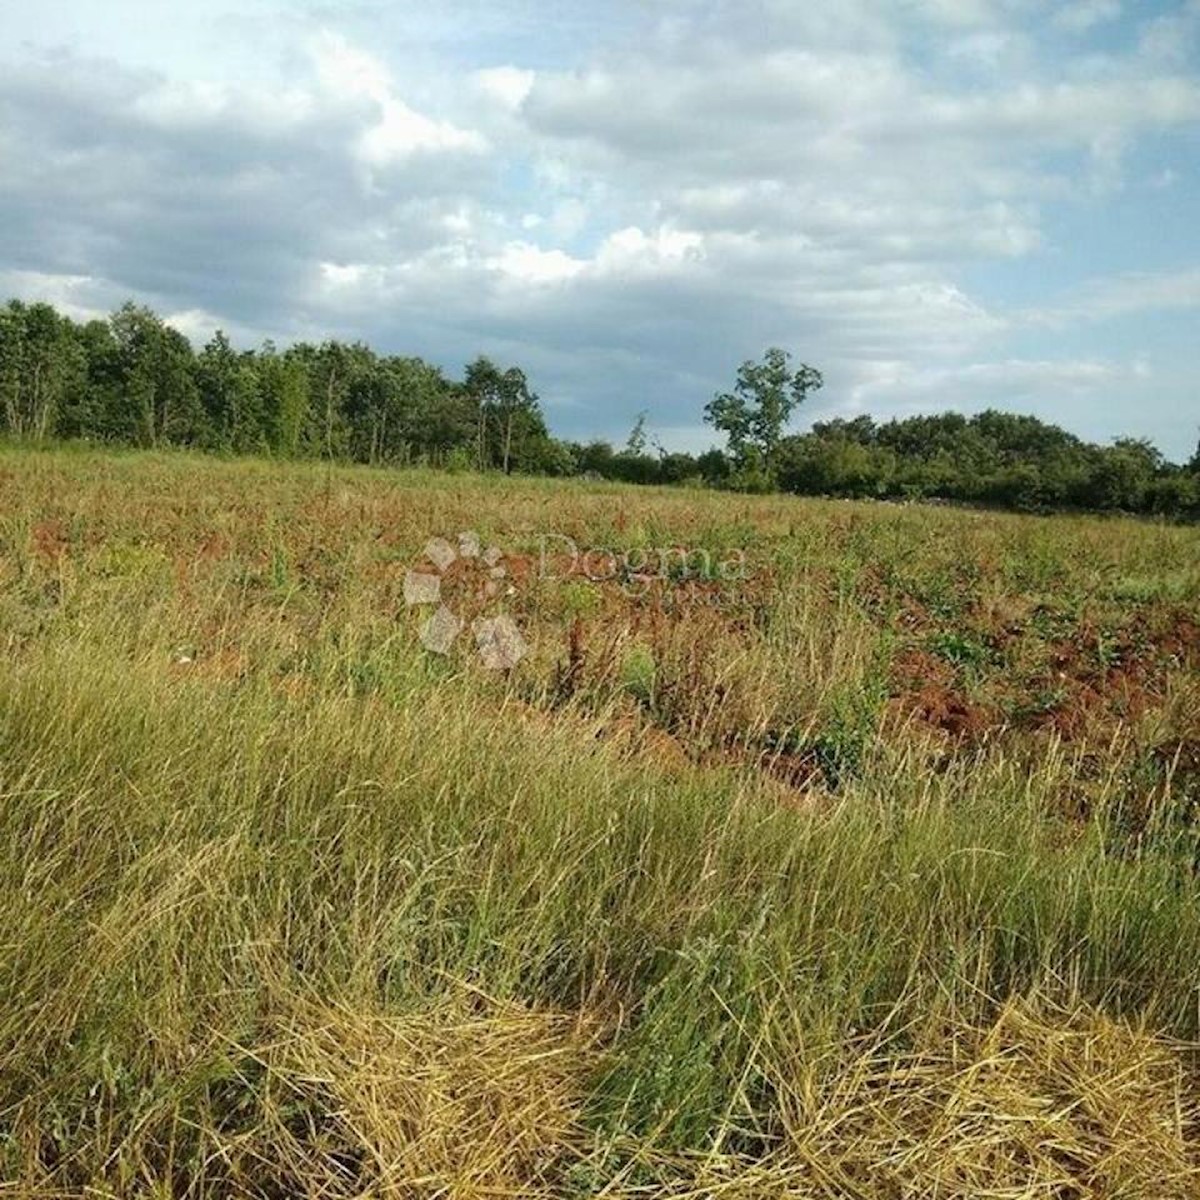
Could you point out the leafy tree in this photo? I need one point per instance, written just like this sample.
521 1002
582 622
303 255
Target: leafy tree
552 457
714 467
283 396
832 465
1175 493
636 442
596 458
231 396
155 399
635 468
511 429
677 467
860 430
89 398
1122 475
419 390
754 415
331 369
40 362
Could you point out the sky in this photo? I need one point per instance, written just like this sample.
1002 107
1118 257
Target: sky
942 204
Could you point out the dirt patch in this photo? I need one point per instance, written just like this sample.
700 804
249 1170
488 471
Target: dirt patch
1179 639
50 540
925 689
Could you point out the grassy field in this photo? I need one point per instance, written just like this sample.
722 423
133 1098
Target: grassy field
813 849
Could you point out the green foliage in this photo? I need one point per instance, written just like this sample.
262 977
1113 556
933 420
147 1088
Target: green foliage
40 365
638 674
510 431
753 416
960 648
993 458
151 396
635 444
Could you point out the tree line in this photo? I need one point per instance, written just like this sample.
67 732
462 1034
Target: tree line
993 458
134 380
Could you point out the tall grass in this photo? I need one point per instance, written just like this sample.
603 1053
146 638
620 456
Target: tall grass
291 908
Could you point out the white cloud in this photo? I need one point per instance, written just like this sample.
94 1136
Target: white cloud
196 324
188 104
957 12
76 295
632 250
1066 113
526 263
1122 295
1044 385
399 130
853 148
507 85
343 275
1081 15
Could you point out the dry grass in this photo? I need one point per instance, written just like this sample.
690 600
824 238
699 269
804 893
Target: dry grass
478 1100
1039 1104
472 1099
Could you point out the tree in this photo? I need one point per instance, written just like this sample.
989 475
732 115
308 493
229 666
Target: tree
1123 474
1174 494
89 400
155 399
754 415
331 369
713 466
552 457
283 392
41 361
677 467
511 430
596 458
636 442
133 379
231 395
416 390
860 430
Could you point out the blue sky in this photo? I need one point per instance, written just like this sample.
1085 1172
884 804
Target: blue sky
942 203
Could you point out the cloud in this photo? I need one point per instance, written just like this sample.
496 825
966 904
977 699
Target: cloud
79 296
985 383
853 147
508 85
526 263
1171 38
627 201
397 131
1083 15
1122 295
225 199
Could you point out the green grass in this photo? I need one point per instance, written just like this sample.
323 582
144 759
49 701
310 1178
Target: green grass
317 912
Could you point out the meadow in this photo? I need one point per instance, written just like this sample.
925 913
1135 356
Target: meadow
807 848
